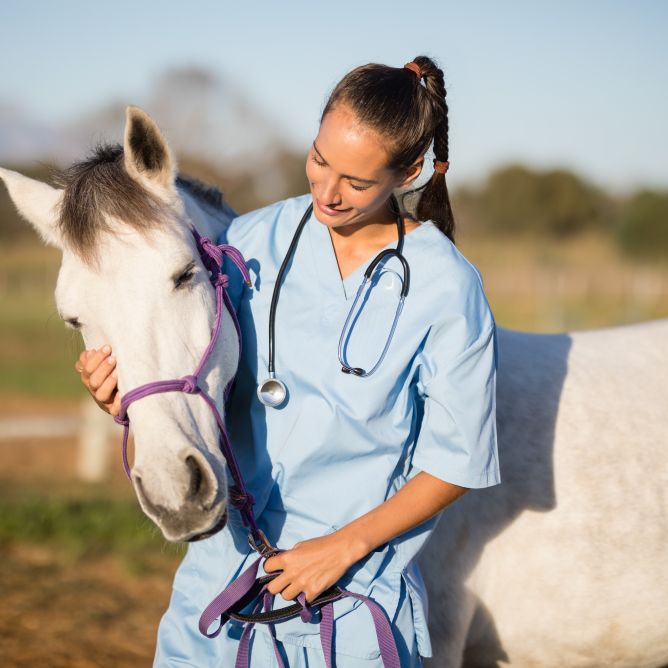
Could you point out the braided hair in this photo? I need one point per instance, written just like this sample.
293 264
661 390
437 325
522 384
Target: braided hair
410 117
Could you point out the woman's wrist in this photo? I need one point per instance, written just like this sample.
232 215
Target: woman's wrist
355 544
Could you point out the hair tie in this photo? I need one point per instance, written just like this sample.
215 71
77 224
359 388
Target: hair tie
441 166
414 67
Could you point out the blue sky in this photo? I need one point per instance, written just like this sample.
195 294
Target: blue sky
579 84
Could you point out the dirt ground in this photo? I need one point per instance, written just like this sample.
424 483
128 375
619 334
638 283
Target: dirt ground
76 615
59 611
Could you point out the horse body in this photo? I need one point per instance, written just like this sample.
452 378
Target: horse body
563 564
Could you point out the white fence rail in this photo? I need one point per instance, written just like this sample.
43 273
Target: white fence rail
92 430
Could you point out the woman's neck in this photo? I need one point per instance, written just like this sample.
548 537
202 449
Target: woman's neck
357 243
379 230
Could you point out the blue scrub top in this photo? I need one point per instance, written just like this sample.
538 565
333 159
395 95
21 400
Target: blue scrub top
341 444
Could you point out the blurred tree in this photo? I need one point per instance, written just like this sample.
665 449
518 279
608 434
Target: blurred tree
555 203
247 190
642 230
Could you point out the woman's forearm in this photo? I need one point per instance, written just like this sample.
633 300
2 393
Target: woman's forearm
418 500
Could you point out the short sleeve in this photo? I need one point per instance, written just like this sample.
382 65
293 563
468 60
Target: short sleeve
457 440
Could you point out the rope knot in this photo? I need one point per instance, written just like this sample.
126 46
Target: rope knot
213 255
223 280
240 500
190 384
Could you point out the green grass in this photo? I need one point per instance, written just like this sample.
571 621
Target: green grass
83 523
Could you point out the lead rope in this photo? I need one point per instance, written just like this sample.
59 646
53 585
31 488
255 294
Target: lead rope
248 586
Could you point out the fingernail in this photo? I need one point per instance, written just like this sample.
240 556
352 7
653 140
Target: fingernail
106 349
111 359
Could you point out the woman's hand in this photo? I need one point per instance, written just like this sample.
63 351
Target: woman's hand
311 566
97 369
314 565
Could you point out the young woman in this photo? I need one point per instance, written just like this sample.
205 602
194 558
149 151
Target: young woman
351 471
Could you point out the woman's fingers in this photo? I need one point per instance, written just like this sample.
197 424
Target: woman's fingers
115 407
291 592
278 584
81 361
93 361
105 392
97 369
102 373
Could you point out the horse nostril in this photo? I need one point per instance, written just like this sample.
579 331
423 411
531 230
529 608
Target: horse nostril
196 477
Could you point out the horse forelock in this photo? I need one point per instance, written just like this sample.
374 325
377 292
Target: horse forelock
100 187
95 189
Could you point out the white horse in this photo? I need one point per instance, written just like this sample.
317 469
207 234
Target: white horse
563 564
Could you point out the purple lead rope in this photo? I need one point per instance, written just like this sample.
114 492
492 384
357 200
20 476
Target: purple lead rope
223 606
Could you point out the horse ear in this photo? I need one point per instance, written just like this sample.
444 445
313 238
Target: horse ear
37 202
146 153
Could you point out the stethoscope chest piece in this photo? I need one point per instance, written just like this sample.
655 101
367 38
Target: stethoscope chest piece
272 392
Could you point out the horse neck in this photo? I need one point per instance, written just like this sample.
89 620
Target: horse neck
207 221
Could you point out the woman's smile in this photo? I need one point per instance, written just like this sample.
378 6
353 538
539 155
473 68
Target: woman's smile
329 211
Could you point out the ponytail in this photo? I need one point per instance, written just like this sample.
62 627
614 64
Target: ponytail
434 202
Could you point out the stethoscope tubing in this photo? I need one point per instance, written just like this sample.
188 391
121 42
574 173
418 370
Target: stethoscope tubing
277 287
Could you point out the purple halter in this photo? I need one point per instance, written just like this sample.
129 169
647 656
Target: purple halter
212 257
248 587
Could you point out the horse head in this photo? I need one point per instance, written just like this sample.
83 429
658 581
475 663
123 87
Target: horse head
131 276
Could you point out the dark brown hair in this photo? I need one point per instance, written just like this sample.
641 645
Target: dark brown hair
410 116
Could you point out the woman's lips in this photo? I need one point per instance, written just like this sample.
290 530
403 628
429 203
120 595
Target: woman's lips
329 211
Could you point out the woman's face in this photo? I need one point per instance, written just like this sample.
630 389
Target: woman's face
347 173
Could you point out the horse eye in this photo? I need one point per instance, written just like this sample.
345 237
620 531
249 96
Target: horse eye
73 323
184 276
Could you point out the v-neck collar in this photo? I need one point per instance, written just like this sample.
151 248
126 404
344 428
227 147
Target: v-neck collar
327 267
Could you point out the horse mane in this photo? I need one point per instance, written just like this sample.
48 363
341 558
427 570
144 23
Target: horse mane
205 192
100 186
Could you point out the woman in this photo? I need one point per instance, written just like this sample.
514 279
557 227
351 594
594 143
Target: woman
349 473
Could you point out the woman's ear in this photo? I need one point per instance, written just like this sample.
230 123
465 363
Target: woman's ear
412 173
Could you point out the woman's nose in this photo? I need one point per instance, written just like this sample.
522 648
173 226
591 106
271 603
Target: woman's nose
330 194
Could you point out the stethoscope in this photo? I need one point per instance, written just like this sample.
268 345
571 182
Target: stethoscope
272 391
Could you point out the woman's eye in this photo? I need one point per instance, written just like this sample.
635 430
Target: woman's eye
318 162
354 187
